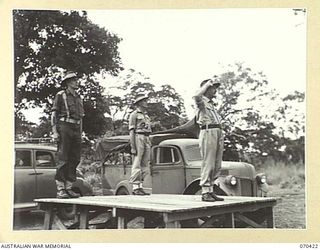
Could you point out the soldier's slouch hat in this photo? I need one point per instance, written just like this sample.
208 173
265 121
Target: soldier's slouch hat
139 98
68 75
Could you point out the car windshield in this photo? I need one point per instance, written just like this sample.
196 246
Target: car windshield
192 153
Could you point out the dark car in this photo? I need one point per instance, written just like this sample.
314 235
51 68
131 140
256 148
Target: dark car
34 171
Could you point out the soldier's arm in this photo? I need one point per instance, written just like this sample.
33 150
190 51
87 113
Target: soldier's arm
132 127
54 117
199 94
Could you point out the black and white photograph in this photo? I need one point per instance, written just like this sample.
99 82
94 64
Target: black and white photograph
159 119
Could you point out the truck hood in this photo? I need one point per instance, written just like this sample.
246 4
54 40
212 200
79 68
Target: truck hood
230 168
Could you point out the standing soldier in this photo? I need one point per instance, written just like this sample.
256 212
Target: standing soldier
210 138
140 128
66 121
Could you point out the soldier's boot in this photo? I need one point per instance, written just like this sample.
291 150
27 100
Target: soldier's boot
214 196
138 190
69 190
61 191
207 197
206 194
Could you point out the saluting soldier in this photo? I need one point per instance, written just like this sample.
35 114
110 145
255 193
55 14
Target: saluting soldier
140 129
66 121
210 137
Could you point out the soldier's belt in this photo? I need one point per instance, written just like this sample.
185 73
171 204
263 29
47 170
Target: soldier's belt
208 126
70 120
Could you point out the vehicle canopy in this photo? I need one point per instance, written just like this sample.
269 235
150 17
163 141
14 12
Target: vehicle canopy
105 145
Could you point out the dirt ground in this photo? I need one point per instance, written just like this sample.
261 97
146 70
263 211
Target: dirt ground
288 213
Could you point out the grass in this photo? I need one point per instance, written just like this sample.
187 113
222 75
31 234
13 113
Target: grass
285 176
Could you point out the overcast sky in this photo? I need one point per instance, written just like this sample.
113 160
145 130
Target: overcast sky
183 47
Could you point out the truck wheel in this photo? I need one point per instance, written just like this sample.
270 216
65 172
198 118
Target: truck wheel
68 212
122 191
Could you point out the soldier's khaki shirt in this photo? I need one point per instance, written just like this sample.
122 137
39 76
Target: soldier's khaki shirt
206 113
140 122
74 102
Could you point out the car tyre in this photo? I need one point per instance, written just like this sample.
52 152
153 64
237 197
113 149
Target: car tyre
122 191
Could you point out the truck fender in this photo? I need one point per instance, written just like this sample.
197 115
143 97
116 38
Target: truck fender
123 184
224 188
219 189
192 187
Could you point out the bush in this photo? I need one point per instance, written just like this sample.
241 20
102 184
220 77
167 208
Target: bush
284 175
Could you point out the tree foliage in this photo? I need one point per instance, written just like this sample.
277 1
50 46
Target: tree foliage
256 117
166 106
48 43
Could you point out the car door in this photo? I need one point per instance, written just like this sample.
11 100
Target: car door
24 179
168 172
45 172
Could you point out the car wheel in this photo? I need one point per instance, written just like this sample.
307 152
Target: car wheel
122 191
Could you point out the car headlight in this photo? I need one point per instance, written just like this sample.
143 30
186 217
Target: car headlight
261 178
231 180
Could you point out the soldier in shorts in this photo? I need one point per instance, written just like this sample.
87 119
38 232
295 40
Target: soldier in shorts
140 129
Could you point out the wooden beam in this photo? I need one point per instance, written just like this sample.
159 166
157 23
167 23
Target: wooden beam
58 223
210 211
48 217
229 220
84 218
208 222
170 224
122 222
248 221
270 218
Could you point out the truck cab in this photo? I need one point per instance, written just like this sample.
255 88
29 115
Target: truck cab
175 169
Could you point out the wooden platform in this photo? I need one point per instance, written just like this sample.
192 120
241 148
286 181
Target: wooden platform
172 209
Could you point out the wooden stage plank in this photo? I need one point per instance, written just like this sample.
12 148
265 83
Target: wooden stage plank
159 202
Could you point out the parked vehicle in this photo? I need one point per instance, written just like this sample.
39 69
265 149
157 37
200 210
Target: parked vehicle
34 171
175 169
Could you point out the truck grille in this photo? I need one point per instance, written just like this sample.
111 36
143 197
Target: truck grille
246 187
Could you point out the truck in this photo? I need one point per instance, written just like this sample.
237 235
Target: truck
175 168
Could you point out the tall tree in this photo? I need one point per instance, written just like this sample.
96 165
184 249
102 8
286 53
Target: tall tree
47 43
253 113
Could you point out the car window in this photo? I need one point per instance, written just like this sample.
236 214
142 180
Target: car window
23 158
118 158
166 155
44 159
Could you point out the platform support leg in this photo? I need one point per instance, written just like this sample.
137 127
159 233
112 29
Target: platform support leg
229 221
84 218
270 219
122 222
48 218
172 224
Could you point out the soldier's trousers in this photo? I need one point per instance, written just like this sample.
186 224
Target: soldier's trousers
211 148
69 150
141 160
